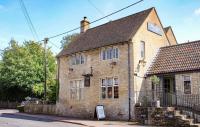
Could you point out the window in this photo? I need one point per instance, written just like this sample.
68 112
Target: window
77 59
76 89
109 88
109 53
187 84
142 49
115 53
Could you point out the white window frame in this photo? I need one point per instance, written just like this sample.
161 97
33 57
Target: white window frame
106 87
77 86
78 57
109 53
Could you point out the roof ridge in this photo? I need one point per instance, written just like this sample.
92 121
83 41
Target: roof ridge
185 43
121 18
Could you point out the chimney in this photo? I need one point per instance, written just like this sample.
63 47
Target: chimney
85 25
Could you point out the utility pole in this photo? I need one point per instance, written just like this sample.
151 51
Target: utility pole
45 69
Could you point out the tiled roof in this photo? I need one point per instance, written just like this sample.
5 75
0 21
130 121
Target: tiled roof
113 32
177 58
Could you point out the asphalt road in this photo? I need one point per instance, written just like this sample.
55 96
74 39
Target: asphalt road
15 120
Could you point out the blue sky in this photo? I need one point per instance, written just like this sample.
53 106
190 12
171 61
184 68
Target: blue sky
51 17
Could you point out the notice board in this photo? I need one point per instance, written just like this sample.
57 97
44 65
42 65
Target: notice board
100 112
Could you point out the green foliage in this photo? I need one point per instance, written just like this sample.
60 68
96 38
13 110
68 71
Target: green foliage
155 80
22 71
68 39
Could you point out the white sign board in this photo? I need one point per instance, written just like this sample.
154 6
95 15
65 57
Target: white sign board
100 112
154 28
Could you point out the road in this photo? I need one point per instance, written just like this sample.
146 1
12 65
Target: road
10 119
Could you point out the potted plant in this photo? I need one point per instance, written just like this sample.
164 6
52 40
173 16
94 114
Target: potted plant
155 81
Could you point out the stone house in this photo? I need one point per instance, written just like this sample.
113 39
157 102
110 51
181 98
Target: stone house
106 65
178 68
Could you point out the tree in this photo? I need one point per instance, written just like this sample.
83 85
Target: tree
22 71
68 39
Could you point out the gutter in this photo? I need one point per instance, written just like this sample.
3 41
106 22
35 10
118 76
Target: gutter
129 83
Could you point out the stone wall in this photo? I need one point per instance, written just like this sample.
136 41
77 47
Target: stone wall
189 100
114 108
40 109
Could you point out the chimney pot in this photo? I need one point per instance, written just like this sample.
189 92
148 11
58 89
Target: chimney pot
85 24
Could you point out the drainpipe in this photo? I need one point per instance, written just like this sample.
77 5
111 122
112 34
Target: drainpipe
58 79
129 83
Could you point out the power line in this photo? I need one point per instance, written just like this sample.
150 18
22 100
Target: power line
96 20
54 44
96 8
28 19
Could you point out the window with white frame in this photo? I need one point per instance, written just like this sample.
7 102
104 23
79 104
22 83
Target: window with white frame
109 88
109 53
76 89
142 49
78 59
187 84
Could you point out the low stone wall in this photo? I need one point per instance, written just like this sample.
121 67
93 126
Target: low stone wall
7 104
155 116
40 109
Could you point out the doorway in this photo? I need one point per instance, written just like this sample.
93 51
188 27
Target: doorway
169 96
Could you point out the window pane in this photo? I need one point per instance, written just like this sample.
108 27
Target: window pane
104 55
103 82
103 93
82 59
73 60
116 92
110 81
116 82
187 87
186 78
77 59
142 49
109 53
116 53
109 92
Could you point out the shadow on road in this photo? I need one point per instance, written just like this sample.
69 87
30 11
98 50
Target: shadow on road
16 116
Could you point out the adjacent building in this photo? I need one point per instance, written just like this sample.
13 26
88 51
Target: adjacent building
107 65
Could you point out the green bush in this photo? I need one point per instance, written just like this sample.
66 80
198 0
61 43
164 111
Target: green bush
20 108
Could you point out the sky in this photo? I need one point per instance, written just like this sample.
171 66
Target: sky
51 17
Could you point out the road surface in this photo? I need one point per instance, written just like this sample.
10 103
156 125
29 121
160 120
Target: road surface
8 118
11 118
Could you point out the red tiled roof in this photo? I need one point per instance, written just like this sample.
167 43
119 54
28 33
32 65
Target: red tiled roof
113 32
177 58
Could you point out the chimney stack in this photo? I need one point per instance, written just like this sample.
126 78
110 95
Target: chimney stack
85 25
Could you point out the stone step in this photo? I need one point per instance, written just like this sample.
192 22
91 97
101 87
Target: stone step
194 125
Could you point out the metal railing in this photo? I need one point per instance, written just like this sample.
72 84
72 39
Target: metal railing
168 99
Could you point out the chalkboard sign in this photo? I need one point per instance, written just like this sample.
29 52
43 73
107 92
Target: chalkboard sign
100 112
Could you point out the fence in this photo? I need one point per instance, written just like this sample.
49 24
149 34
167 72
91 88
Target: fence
8 104
188 103
176 99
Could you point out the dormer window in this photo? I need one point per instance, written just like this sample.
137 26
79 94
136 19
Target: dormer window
77 59
109 53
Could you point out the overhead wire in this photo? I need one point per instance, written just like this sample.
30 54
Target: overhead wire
57 35
101 12
28 20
